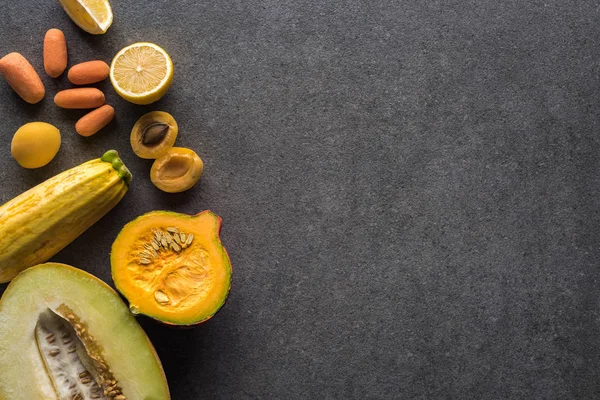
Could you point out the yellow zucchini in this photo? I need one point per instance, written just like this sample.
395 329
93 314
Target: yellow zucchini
37 224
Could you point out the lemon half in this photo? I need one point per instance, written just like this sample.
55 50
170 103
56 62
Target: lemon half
141 73
93 16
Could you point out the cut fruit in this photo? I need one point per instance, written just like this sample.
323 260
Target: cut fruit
153 134
93 16
141 73
177 170
64 334
172 267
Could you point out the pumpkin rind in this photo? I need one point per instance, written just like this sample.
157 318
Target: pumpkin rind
175 284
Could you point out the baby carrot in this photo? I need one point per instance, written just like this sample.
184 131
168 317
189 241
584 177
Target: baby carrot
88 72
55 53
79 98
92 122
21 76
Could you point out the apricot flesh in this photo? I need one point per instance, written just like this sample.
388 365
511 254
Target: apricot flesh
177 170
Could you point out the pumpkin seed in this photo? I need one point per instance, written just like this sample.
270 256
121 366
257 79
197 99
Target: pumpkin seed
145 254
176 239
175 246
172 230
161 297
189 239
144 261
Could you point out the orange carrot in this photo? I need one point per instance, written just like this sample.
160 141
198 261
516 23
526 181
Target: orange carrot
55 53
79 98
88 72
21 76
92 122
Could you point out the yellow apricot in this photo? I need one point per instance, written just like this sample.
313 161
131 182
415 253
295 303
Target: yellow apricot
35 144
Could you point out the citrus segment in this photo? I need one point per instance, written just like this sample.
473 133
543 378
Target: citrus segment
93 16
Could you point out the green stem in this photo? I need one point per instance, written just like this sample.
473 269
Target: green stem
112 157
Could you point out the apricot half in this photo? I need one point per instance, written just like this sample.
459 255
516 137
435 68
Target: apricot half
177 170
172 267
64 334
153 134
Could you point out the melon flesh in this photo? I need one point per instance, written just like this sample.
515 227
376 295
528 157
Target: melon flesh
63 332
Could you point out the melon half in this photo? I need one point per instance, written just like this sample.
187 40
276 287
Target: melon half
65 334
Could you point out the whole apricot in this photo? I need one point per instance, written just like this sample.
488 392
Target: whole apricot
35 144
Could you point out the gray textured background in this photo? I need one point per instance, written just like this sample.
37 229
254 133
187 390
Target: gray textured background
409 189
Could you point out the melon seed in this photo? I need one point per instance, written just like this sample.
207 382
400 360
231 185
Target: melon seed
65 366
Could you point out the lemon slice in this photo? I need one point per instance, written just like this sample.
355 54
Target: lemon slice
93 16
141 73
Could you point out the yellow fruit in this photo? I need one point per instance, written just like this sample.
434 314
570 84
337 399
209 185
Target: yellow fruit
93 16
141 73
35 144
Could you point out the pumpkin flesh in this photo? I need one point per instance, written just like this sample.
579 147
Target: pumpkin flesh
167 278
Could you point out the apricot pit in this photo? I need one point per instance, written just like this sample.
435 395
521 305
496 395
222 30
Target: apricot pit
153 134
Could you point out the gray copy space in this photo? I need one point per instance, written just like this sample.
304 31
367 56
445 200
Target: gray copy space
409 189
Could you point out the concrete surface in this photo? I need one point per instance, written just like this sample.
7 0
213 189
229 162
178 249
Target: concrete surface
409 189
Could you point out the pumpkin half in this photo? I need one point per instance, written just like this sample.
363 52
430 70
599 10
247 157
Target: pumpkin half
172 267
